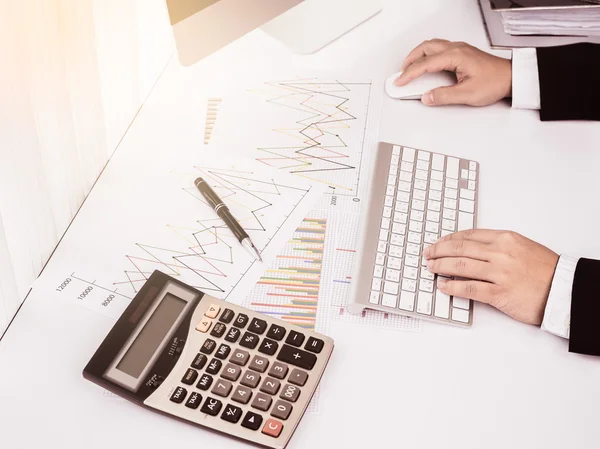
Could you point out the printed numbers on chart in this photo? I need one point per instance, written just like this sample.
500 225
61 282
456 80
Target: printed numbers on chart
86 292
62 286
333 201
108 300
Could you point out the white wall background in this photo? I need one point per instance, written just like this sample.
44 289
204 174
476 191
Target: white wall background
73 74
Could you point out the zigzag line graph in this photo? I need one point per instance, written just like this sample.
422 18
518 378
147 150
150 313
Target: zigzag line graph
201 253
326 142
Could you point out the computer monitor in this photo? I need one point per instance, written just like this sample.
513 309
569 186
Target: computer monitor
201 27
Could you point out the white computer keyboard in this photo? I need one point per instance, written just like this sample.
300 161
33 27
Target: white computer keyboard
416 198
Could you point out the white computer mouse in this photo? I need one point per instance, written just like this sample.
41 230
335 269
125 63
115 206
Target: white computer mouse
417 87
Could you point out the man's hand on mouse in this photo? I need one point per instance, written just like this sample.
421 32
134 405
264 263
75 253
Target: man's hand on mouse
504 269
483 79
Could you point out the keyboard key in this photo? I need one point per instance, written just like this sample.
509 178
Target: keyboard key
437 162
442 305
404 186
249 340
390 190
298 377
374 297
390 288
464 174
400 217
391 180
383 234
179 395
250 379
252 421
389 300
435 195
314 345
448 225
449 203
376 285
401 207
408 154
262 402
276 332
227 316
290 393
222 388
409 285
437 176
396 239
399 228
387 212
452 183
258 326
199 361
231 372
431 237
270 386
407 301
194 401
395 262
212 311
240 357
205 382
414 237
424 302
435 185
423 155
418 205
433 216
449 214
259 364
211 406
214 366
272 428
413 249
460 315
203 325
445 233
395 160
407 166
241 395
426 285
420 185
471 185
465 221
392 275
268 346
279 370
233 334
406 176
472 175
467 194
410 273
389 200
385 223
434 205
378 271
380 257
190 377
426 274
208 346
241 321
403 196
282 410
450 193
231 413
393 170
297 357
422 165
417 215
223 352
396 150
411 261
422 174
452 168
467 206
461 303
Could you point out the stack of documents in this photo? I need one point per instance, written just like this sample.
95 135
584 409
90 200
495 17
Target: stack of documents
549 17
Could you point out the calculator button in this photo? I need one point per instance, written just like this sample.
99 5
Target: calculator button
227 316
258 326
233 334
203 325
262 402
249 340
295 338
199 361
211 406
259 364
297 357
205 382
272 428
290 393
214 366
268 347
190 377
276 332
179 395
278 370
212 311
194 401
209 346
270 386
223 352
252 421
242 395
282 410
222 388
231 372
240 357
314 345
298 377
218 330
241 321
250 379
231 413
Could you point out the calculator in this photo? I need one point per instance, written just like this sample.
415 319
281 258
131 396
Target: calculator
183 353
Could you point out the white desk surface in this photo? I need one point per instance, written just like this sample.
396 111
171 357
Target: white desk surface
501 384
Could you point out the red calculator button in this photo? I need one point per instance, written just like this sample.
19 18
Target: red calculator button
272 428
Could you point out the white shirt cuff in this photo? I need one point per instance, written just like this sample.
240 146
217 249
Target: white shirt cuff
525 79
557 317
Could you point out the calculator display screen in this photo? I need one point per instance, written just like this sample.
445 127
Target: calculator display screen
150 337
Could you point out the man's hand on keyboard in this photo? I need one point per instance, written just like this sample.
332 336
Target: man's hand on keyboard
483 79
504 269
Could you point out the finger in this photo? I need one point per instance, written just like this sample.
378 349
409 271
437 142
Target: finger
462 267
425 48
459 248
428 64
461 93
476 290
477 235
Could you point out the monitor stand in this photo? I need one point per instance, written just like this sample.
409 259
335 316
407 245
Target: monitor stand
313 24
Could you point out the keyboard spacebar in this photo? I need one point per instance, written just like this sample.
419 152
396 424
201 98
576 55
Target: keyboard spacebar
465 221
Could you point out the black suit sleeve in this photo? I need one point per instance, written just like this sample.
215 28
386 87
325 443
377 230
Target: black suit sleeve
585 308
569 82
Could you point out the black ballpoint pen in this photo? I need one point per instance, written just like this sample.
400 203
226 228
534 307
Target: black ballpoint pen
223 212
